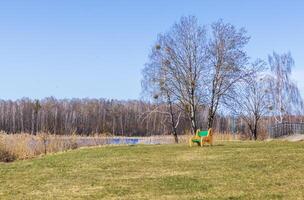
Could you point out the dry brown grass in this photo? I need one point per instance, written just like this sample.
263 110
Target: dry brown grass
25 146
227 136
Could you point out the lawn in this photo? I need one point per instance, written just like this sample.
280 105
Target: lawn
232 170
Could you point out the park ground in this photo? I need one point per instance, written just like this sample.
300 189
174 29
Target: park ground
228 170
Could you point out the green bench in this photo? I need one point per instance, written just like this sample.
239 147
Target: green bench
202 137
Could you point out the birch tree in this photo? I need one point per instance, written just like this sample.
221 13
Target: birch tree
285 95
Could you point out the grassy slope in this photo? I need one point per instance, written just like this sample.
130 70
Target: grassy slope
246 170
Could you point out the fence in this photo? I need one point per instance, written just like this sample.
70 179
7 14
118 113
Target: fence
286 128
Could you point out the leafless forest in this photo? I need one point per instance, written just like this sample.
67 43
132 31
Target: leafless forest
89 116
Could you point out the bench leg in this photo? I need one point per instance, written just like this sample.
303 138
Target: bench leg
190 142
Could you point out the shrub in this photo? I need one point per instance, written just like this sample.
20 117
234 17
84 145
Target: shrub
6 156
73 145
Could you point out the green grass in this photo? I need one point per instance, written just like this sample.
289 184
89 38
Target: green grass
235 170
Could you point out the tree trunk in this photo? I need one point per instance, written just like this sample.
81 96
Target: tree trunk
193 119
210 118
33 122
173 123
255 131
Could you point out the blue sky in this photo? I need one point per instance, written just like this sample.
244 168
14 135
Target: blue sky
96 48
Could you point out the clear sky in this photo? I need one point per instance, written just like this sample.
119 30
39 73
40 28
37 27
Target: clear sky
97 48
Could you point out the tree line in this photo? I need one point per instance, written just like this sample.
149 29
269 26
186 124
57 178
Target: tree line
93 116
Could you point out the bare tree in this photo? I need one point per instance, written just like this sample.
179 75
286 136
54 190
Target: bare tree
155 84
227 64
285 98
176 66
251 102
35 112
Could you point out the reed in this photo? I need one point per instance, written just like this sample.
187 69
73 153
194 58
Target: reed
24 146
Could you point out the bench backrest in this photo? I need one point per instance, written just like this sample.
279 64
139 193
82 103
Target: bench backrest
204 133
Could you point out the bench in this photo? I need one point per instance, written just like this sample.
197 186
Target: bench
202 137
